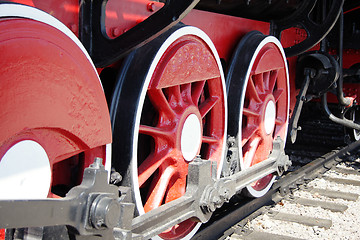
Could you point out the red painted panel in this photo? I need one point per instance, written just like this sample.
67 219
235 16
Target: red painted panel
67 11
225 31
49 92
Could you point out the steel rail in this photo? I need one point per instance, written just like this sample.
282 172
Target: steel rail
216 227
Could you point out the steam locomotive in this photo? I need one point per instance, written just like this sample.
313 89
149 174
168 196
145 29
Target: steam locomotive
127 119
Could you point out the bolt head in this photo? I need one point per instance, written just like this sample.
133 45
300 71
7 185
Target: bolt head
151 7
105 212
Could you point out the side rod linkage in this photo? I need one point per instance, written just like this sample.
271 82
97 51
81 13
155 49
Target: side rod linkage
204 193
96 208
93 208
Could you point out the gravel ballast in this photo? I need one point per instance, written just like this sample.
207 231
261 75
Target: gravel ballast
345 225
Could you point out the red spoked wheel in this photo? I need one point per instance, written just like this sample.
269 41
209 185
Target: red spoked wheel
258 98
178 112
52 106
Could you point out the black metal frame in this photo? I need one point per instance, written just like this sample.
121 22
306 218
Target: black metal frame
315 31
103 50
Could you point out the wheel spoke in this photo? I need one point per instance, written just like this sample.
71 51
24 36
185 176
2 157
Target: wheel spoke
174 95
158 189
160 102
277 94
250 113
252 91
266 80
176 190
247 133
260 81
268 146
150 165
265 148
186 92
155 132
196 90
206 106
209 140
279 122
250 153
272 80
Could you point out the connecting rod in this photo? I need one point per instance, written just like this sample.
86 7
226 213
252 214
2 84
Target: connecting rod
96 208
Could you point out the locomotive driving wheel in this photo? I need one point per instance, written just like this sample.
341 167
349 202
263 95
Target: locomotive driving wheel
169 106
258 100
52 103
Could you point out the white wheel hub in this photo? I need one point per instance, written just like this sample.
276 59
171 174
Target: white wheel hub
25 172
190 137
270 115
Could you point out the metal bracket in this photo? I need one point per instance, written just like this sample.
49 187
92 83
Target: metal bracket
293 125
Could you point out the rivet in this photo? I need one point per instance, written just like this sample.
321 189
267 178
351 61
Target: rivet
115 32
151 7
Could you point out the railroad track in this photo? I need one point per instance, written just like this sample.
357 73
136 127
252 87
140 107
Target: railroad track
322 209
238 220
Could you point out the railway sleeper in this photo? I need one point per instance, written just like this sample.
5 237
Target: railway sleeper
95 208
